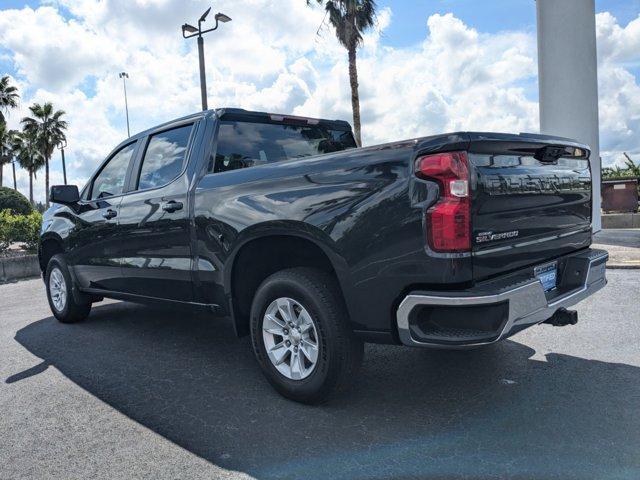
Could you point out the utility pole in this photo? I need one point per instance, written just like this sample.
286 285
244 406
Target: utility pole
123 76
62 146
189 31
13 167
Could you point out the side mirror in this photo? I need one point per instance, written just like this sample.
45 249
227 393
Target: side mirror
64 194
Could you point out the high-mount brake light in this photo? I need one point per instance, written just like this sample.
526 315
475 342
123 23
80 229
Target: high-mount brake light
449 220
294 120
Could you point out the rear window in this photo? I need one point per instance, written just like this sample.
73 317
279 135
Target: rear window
245 144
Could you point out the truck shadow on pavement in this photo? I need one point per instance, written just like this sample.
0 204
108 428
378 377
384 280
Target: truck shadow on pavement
410 414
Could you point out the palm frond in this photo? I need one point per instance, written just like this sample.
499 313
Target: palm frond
8 96
47 126
349 18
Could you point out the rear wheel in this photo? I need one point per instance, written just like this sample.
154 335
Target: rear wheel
301 335
59 293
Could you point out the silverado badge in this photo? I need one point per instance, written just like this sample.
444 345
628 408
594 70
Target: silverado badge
490 236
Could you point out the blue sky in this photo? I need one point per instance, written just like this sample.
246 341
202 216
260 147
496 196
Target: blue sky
492 17
415 80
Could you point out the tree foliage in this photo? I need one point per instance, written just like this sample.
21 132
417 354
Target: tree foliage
29 157
14 201
8 96
350 19
630 170
23 229
47 128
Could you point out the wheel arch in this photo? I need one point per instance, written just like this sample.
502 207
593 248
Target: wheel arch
50 245
293 245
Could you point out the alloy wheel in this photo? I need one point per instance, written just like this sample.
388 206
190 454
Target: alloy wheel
290 338
57 289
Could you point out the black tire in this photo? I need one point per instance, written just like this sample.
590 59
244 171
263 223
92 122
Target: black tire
72 311
339 351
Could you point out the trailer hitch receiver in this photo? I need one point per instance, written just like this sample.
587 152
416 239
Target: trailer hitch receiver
563 317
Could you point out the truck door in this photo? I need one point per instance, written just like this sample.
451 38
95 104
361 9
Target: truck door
94 251
154 219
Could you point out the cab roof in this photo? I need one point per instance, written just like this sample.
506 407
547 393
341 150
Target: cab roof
245 115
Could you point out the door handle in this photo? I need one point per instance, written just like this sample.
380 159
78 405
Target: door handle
172 206
109 214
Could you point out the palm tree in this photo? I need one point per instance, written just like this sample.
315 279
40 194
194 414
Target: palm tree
48 129
7 138
632 168
7 154
351 18
25 148
8 96
5 147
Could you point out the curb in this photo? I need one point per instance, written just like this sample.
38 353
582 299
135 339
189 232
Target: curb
620 220
624 266
19 268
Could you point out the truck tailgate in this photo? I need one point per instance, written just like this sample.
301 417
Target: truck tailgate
531 200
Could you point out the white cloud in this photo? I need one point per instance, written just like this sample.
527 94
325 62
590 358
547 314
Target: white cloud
617 43
456 79
270 57
619 92
51 51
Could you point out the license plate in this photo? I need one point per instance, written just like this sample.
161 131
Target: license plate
547 274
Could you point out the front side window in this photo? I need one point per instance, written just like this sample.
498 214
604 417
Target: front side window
110 180
245 144
164 157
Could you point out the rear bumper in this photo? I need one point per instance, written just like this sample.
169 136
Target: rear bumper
498 308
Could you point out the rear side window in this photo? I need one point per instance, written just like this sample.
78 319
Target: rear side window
110 180
245 144
164 158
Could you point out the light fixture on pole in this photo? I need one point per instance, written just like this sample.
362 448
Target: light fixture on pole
189 31
124 76
62 145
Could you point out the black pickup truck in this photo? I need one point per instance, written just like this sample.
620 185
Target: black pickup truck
313 246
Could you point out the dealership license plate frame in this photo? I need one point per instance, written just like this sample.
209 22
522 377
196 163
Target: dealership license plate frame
547 274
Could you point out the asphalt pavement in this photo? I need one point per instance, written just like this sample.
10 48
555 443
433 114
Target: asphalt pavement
623 245
137 392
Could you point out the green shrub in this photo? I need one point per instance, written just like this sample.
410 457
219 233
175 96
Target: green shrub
14 201
20 228
5 227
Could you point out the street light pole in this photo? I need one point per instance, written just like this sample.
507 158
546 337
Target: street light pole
124 76
189 31
203 76
62 146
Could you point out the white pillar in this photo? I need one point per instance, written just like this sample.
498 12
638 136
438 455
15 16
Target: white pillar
568 78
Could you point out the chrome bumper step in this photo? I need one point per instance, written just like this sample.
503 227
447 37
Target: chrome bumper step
526 303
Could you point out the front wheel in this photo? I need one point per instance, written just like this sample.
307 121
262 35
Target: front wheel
301 335
59 293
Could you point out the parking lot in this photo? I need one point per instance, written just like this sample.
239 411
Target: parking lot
140 392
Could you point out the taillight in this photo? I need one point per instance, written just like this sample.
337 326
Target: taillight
449 220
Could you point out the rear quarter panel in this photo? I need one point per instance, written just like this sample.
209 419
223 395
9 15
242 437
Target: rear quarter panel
357 205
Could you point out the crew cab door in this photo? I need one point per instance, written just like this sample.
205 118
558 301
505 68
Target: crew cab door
154 219
94 252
